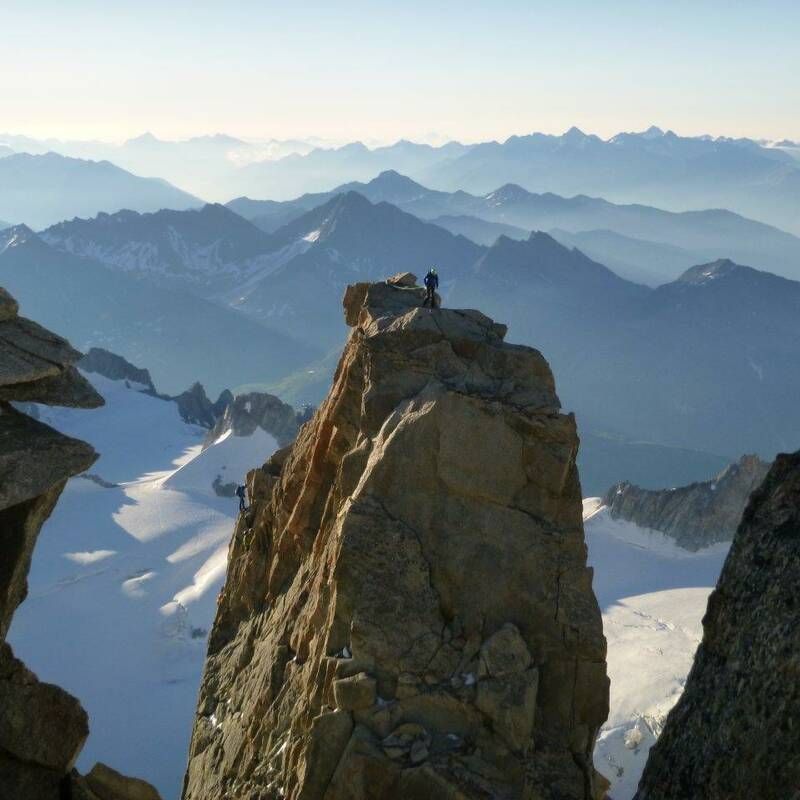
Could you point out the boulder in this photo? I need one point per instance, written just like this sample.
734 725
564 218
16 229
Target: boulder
40 723
108 784
504 653
29 352
356 692
403 279
416 560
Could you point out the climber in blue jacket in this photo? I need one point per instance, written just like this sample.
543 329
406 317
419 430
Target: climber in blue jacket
431 282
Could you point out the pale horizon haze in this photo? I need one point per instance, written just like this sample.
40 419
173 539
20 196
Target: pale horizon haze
382 71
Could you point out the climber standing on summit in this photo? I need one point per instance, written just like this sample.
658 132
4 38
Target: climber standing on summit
431 282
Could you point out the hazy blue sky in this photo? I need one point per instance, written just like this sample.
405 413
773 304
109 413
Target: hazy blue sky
471 70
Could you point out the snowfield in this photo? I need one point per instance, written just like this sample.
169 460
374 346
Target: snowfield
125 577
653 596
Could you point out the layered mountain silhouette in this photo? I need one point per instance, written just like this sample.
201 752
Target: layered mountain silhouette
695 364
652 263
323 167
178 334
653 167
705 235
203 165
39 190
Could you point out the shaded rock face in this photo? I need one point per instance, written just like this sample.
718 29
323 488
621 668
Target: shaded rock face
42 727
116 368
195 407
734 733
247 412
697 515
408 612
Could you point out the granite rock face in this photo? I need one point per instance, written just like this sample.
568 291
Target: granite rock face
735 732
42 727
697 515
408 612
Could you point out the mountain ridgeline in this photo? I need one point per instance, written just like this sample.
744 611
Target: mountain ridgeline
697 515
719 336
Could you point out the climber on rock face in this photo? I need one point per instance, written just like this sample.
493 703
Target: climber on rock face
431 282
240 490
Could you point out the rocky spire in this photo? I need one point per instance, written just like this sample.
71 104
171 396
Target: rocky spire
734 732
408 612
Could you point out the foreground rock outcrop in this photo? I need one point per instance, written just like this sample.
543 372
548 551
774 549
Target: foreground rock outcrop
42 727
697 515
408 612
735 732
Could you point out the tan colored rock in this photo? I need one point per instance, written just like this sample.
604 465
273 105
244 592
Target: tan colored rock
504 653
356 692
427 520
108 784
403 279
510 704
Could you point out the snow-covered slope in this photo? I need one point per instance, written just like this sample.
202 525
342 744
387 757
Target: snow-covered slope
653 595
125 577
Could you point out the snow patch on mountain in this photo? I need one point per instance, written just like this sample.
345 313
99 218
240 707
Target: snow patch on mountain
653 596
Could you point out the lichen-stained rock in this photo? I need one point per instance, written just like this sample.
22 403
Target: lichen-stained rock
419 547
735 732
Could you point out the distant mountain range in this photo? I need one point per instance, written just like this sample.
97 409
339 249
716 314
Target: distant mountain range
38 190
654 167
753 178
178 334
321 168
652 246
700 362
4 225
201 164
209 249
